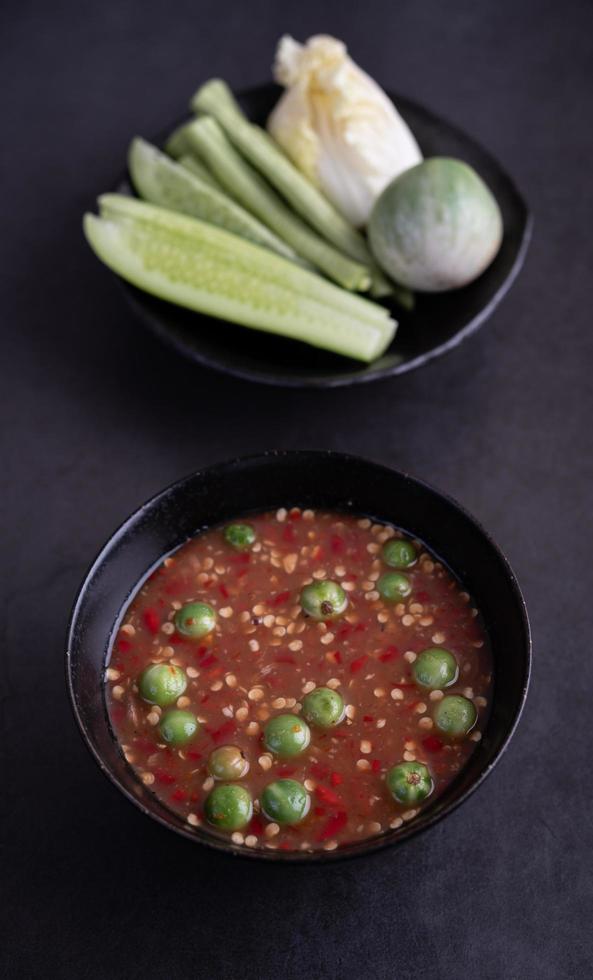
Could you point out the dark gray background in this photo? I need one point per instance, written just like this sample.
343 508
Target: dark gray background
97 416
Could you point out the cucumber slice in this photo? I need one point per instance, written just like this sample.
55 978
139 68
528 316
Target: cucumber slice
245 256
161 181
187 271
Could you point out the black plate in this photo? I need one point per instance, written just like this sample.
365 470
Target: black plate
437 325
306 479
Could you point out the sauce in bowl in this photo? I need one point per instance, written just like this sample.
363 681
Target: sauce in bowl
299 680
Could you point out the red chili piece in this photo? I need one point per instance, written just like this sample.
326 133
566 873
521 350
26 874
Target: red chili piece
281 598
334 825
256 826
328 796
358 664
164 777
336 778
432 743
218 734
242 559
337 544
152 620
179 795
390 654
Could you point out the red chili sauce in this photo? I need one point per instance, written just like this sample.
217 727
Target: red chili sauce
265 654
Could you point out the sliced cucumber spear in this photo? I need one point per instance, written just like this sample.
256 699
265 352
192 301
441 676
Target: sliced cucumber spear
161 181
215 98
242 182
119 207
209 270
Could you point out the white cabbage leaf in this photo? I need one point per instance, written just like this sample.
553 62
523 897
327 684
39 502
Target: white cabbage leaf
337 125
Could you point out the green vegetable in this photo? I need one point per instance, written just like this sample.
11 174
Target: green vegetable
435 668
409 782
215 98
323 707
229 807
402 296
286 735
123 209
436 226
244 184
161 181
178 727
209 270
240 536
228 762
198 170
223 246
196 619
162 684
323 600
393 586
398 553
455 715
178 143
285 801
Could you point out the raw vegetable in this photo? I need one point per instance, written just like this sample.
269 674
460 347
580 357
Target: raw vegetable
338 126
161 181
198 170
178 143
243 183
216 99
118 207
436 227
212 271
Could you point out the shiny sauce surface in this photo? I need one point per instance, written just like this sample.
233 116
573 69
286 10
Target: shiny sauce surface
265 655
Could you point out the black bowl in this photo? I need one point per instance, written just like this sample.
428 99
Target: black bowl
306 479
438 323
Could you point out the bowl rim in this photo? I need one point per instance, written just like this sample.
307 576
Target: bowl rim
261 375
368 846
